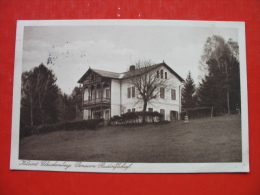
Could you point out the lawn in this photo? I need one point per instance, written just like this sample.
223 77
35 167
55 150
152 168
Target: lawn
215 139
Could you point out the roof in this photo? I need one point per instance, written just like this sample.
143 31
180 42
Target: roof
127 74
103 73
107 74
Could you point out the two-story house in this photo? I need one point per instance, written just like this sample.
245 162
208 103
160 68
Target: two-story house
107 93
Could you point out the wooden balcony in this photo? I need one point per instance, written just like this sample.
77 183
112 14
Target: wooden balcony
97 101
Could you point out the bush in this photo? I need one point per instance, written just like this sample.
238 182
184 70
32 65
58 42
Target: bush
67 126
136 117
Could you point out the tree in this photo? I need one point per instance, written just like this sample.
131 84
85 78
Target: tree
188 92
220 63
39 93
144 78
76 102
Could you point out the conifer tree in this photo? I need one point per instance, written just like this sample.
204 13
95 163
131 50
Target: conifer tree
221 84
188 92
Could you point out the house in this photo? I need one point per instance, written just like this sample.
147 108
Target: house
107 93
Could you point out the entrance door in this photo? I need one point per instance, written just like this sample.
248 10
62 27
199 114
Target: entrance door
173 115
107 115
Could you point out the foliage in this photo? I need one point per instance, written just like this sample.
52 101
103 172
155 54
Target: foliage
70 106
136 117
39 93
42 102
67 126
220 86
187 92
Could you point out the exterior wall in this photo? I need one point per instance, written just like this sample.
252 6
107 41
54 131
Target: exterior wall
115 97
167 104
120 103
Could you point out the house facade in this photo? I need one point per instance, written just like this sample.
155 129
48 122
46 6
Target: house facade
106 94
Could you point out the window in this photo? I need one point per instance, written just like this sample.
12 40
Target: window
158 74
133 91
162 92
86 94
162 111
133 110
128 92
107 93
93 94
173 94
161 74
150 109
99 93
165 75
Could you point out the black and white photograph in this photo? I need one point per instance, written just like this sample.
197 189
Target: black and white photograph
130 96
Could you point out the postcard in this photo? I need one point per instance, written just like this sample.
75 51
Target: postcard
130 96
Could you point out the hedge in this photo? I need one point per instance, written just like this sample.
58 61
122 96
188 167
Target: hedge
136 117
67 126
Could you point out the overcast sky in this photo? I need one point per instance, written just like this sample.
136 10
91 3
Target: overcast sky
114 48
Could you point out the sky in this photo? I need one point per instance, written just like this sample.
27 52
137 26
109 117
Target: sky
73 49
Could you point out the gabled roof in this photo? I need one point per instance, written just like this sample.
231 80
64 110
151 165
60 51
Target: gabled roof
129 73
107 74
103 73
126 75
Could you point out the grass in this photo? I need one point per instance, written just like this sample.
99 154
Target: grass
215 139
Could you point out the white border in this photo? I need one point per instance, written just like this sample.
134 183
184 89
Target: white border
16 164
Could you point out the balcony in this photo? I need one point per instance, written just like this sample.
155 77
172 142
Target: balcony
96 101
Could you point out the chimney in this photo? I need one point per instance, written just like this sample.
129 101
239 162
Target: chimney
132 67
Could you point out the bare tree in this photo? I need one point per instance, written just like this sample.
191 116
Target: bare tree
147 81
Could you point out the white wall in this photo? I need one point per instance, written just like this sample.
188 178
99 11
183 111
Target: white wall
167 103
115 97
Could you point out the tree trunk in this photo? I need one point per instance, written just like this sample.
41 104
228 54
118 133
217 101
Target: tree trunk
144 110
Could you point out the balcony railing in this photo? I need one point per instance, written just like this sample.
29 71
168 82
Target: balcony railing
96 101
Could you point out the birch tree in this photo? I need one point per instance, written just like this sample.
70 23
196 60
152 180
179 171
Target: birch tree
220 64
38 96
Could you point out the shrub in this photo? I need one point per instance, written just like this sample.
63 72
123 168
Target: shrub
68 126
136 117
